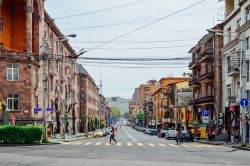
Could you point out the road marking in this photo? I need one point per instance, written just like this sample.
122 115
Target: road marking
66 143
88 143
129 135
152 145
209 146
162 145
129 144
107 144
186 146
140 144
196 145
119 144
76 143
98 143
173 145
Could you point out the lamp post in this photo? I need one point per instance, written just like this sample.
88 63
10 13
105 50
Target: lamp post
45 58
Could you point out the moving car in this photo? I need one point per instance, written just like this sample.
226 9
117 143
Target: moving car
162 133
171 134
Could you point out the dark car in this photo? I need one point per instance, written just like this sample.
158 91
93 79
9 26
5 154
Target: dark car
147 131
186 135
153 132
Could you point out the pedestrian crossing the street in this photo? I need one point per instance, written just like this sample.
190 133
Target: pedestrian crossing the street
139 144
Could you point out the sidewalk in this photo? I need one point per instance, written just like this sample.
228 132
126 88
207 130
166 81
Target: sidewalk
70 138
218 143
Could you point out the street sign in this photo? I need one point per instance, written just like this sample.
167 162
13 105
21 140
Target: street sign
205 119
244 102
50 109
37 109
205 113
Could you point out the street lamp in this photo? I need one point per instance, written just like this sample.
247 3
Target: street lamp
45 54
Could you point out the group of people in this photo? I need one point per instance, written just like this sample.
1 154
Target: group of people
232 135
210 134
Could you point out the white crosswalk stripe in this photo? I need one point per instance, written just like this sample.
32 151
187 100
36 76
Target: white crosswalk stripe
76 143
152 145
140 144
129 144
198 146
98 143
162 145
173 145
88 143
119 144
186 146
107 144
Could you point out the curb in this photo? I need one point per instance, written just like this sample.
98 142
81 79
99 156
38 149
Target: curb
76 139
242 148
210 143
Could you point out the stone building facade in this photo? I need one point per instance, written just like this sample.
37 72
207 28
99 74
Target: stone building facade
26 27
207 82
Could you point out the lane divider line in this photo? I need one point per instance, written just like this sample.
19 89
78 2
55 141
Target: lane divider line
132 138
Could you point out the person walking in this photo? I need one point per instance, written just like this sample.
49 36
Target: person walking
177 136
112 136
228 136
180 137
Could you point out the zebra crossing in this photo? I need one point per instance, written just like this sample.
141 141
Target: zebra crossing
140 144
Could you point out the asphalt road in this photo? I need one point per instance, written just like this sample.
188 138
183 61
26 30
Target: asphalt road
133 148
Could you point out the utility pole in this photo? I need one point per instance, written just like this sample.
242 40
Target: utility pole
243 77
86 107
176 107
44 78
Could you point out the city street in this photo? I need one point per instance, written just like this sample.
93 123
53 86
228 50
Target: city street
133 148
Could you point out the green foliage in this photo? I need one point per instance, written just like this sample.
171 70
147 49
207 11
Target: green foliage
20 134
84 117
140 115
116 111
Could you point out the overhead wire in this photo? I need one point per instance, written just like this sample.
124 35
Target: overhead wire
144 26
103 10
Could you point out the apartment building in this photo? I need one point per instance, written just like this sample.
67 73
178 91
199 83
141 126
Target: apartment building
236 32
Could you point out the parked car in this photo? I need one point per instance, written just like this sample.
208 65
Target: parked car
171 134
186 135
162 133
147 131
143 129
106 131
153 132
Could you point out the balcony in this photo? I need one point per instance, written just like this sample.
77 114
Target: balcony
203 100
194 64
194 82
206 55
53 71
233 70
63 78
207 77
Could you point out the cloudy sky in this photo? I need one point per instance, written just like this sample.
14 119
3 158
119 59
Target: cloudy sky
97 21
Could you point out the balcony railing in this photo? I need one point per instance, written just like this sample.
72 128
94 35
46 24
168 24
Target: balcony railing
207 77
207 99
206 55
194 64
233 69
194 82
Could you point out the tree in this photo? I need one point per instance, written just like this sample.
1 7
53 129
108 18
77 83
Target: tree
140 115
116 111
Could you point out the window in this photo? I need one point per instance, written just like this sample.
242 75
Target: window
229 64
1 24
36 101
229 90
247 43
247 13
238 23
13 72
229 36
13 102
247 71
